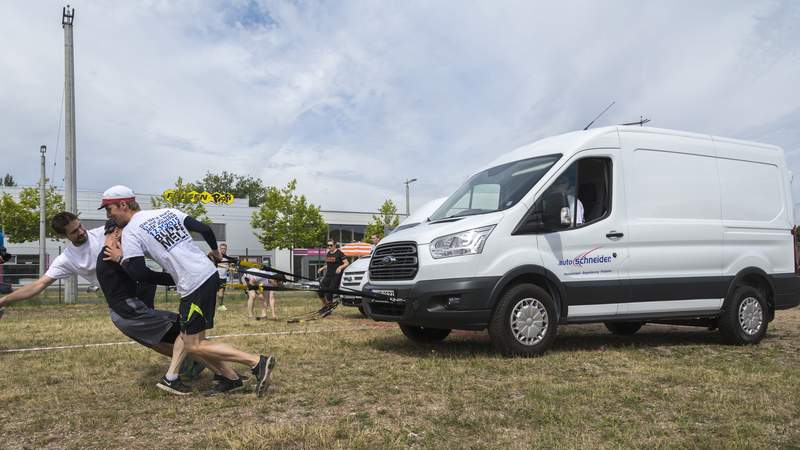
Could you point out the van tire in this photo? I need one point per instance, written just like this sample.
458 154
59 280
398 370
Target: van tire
623 328
424 335
745 318
517 302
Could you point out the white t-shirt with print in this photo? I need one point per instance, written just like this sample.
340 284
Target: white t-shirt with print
79 259
161 235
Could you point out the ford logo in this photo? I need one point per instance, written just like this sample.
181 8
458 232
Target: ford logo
389 260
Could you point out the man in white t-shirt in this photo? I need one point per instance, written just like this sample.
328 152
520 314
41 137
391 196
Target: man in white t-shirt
164 235
78 258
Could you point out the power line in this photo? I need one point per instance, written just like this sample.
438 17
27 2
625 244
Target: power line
58 135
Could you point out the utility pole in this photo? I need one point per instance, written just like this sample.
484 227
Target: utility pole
408 202
70 189
42 214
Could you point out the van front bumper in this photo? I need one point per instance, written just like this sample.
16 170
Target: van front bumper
457 303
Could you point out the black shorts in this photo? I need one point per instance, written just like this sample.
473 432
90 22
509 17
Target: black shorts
253 287
172 333
197 309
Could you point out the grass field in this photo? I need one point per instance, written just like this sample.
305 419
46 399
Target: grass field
347 382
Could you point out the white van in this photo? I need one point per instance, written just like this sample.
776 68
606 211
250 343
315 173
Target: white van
621 225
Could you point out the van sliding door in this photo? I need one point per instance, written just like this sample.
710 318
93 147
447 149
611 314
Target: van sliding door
674 223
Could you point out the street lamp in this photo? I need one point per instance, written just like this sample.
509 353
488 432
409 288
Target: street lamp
408 205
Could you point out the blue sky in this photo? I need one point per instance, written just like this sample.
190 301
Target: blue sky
352 97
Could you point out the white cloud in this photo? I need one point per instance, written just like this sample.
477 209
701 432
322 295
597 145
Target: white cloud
316 90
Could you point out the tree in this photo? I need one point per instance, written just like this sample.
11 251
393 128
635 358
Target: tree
239 185
20 220
184 198
286 221
8 180
387 218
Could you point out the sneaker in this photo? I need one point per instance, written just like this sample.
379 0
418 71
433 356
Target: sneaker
225 386
261 372
222 308
174 387
220 378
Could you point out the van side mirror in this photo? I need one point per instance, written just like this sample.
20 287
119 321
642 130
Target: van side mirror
549 213
555 214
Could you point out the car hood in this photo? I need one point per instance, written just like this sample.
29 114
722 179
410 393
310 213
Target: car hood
425 232
359 265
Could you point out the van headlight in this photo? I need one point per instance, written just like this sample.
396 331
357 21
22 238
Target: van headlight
468 242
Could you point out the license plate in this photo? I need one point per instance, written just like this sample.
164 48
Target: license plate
389 293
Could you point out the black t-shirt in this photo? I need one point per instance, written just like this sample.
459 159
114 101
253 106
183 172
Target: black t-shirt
333 260
118 286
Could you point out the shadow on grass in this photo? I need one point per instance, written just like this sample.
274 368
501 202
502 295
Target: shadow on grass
570 338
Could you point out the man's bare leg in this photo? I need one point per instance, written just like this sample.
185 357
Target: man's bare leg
272 304
251 295
213 351
218 352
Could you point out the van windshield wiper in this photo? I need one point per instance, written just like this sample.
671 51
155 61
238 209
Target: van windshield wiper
462 214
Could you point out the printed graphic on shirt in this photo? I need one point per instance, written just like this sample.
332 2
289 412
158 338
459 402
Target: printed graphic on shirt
167 229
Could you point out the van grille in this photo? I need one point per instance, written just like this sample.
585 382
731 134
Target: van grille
395 261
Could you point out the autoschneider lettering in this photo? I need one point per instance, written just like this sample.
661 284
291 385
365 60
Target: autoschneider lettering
584 259
167 229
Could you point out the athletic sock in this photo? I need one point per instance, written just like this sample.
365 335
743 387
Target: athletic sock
171 377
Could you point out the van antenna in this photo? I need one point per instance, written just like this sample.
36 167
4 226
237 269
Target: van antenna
640 122
598 116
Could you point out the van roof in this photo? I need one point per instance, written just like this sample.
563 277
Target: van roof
572 142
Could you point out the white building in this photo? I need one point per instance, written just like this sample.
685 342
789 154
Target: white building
231 224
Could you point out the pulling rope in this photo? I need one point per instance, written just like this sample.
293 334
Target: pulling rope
280 277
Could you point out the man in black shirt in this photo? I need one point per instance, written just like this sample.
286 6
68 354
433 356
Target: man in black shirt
130 306
127 302
335 263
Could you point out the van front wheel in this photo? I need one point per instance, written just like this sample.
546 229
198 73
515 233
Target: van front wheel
745 319
524 323
424 335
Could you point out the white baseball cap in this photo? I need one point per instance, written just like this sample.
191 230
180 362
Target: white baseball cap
116 194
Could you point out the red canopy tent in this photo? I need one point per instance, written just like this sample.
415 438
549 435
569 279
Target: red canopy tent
356 249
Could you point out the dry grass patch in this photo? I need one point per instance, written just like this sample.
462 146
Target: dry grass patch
365 386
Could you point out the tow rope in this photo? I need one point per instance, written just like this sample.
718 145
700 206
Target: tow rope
280 278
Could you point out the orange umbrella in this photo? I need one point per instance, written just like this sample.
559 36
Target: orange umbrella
356 249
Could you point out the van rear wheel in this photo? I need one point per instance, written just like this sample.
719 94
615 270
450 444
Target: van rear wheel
424 335
745 319
524 322
623 328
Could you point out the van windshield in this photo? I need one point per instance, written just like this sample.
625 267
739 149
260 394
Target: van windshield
495 189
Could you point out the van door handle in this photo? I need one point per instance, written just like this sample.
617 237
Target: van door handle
614 235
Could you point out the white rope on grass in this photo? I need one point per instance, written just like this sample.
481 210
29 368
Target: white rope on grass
107 344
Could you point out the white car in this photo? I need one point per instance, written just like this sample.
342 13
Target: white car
354 278
621 225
